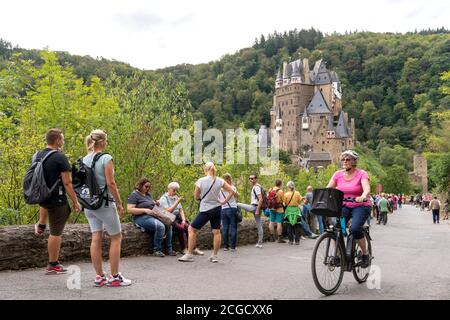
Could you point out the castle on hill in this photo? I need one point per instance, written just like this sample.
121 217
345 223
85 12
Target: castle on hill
307 113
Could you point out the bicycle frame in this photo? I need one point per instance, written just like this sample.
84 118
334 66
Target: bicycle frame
339 231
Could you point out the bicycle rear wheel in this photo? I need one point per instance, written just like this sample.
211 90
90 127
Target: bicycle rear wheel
361 274
327 264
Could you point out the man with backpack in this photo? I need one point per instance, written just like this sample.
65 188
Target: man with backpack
50 171
275 199
258 204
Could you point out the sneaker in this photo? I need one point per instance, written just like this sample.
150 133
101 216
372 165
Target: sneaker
100 281
233 249
38 230
118 281
187 258
290 242
302 238
280 240
213 259
258 245
58 269
198 252
297 243
172 253
158 254
225 249
365 261
313 236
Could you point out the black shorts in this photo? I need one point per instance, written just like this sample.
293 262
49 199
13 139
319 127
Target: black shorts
213 216
57 218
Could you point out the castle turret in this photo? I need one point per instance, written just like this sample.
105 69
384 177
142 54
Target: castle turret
279 80
331 133
305 120
296 77
278 121
306 71
286 73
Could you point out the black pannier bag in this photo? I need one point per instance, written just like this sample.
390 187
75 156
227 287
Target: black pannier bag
327 202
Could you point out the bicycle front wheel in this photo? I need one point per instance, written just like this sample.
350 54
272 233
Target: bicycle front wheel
361 274
327 264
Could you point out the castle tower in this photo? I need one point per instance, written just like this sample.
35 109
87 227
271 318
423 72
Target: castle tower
279 80
295 77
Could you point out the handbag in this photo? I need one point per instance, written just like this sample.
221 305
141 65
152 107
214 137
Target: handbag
238 210
166 217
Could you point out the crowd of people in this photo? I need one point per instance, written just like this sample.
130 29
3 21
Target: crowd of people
287 211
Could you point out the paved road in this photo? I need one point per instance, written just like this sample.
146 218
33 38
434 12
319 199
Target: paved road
412 254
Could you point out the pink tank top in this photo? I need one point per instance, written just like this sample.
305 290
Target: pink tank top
352 188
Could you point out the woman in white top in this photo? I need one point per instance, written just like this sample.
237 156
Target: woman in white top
229 215
207 190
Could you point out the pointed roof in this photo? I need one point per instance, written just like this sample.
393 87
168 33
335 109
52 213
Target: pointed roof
295 70
317 66
341 127
320 74
279 75
319 156
318 104
334 76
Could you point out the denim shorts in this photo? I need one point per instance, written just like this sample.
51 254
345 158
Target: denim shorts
213 216
276 216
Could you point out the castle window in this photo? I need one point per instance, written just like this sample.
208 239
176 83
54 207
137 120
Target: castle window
323 142
291 101
343 144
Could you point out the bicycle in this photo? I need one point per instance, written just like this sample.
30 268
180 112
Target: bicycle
339 257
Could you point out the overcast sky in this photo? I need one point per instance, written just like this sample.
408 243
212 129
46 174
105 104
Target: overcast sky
156 34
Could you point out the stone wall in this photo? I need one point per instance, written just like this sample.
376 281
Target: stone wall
20 248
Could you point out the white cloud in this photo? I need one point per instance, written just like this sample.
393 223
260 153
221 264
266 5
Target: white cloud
155 34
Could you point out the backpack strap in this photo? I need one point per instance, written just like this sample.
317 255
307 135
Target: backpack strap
209 189
94 161
293 192
34 159
223 194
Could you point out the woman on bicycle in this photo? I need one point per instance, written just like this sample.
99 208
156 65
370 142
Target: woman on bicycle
354 183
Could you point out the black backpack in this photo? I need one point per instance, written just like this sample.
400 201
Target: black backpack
35 189
85 184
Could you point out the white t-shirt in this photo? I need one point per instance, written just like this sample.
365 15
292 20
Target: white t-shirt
232 201
256 189
211 200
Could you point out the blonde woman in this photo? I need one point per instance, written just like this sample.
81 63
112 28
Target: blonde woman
207 190
292 200
105 217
